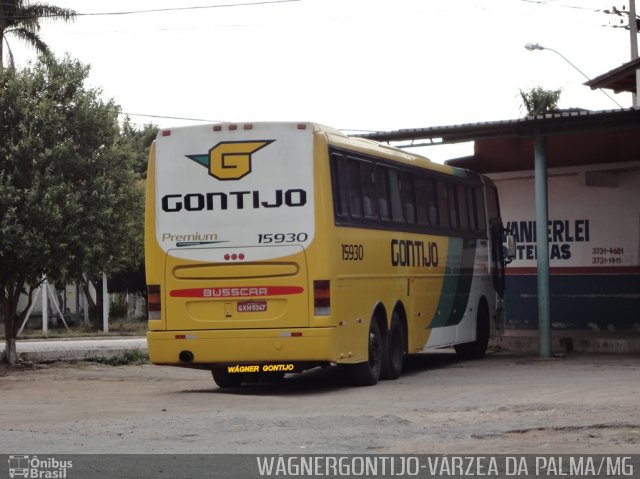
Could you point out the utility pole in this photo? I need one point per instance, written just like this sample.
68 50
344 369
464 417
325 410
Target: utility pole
633 28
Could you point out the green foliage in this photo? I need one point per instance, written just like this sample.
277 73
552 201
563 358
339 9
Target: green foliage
129 280
538 101
21 18
126 358
70 198
119 306
139 141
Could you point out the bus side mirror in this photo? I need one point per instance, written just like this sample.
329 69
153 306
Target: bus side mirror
511 247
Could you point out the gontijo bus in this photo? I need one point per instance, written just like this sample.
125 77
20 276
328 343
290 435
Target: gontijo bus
278 247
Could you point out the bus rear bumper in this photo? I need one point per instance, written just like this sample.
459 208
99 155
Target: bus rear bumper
227 347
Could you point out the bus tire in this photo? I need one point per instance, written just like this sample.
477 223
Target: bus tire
225 380
394 359
272 377
477 349
368 372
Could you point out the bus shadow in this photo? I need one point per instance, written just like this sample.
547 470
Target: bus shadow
332 379
313 381
420 363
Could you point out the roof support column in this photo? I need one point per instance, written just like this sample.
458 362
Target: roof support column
542 219
636 96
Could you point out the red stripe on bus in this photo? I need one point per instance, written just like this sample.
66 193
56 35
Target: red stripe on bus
236 292
576 270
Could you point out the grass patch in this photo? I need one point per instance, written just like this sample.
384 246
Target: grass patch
126 358
117 327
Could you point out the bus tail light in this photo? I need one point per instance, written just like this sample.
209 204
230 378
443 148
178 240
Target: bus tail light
321 298
154 305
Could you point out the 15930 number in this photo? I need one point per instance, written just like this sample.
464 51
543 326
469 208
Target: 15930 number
278 238
352 252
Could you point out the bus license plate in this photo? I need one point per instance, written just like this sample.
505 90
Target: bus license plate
252 306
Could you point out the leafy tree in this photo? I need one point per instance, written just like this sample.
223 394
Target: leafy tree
538 101
139 141
70 200
21 18
136 142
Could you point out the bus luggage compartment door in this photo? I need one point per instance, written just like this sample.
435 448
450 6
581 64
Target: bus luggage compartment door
236 288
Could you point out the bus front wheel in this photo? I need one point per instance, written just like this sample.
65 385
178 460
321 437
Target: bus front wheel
368 372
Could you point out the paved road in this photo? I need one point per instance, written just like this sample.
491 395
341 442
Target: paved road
501 404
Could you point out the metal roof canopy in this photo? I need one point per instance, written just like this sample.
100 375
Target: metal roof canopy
548 124
619 79
531 127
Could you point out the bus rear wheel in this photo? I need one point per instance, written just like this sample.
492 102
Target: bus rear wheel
392 363
477 349
225 380
368 372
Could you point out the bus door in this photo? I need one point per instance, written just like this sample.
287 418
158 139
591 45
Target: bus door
495 239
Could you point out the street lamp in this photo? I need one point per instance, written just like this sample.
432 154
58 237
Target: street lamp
535 46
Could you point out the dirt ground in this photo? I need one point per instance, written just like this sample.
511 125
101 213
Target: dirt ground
501 404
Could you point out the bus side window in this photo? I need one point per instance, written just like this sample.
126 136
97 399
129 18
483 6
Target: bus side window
422 200
369 191
493 210
396 202
382 182
341 193
355 192
408 198
452 202
473 209
432 203
482 220
462 208
443 205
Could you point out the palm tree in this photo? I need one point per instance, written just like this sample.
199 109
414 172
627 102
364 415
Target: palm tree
538 101
21 18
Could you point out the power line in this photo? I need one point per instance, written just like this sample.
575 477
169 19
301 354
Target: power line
195 7
170 117
348 131
158 10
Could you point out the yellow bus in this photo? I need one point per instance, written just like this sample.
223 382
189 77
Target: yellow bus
280 247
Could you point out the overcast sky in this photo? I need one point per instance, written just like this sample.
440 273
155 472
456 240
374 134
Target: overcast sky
350 64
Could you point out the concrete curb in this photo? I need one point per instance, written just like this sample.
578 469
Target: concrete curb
39 351
527 342
522 342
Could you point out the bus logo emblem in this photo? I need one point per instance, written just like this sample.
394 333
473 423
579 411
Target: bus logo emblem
230 160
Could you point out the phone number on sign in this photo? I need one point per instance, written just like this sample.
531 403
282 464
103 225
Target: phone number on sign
607 256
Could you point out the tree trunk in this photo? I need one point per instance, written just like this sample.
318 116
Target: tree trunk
2 28
99 298
10 355
9 315
10 293
95 307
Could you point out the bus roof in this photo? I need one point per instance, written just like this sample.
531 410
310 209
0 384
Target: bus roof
336 138
382 150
